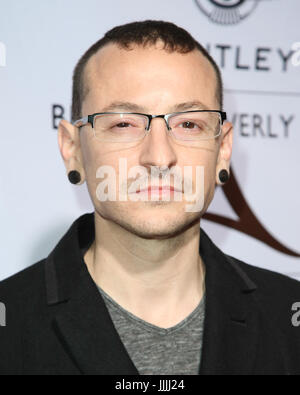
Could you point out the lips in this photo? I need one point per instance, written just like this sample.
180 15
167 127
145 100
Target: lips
158 189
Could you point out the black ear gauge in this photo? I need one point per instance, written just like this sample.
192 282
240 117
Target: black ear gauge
74 177
224 176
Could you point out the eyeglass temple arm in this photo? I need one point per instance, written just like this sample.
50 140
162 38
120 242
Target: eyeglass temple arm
81 122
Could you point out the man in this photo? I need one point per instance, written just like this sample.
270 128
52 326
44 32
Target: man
137 287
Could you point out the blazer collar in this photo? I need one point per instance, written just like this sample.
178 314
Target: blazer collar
84 326
231 323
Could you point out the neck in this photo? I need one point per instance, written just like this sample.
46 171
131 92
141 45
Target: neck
160 281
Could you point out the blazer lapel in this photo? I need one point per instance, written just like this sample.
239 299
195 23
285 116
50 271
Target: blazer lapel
88 333
231 324
83 324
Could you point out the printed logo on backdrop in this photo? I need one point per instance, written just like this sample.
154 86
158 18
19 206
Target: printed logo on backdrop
296 55
227 12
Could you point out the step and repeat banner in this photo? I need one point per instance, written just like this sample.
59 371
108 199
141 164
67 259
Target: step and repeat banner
255 218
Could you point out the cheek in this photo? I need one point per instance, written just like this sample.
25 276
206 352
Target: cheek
92 161
90 156
205 157
209 179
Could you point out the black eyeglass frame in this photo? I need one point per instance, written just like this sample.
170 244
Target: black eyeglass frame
91 118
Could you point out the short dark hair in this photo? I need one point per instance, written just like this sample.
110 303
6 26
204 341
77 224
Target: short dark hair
141 33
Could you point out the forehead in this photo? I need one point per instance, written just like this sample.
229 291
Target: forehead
115 73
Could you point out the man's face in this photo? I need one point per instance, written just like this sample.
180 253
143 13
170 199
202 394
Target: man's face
156 81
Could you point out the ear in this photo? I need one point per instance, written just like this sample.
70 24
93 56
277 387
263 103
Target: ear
69 146
225 150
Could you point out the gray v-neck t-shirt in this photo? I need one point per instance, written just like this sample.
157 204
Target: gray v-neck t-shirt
158 351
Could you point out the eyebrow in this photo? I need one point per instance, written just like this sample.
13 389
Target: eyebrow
133 107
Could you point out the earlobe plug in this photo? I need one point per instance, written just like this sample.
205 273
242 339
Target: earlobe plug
74 177
224 176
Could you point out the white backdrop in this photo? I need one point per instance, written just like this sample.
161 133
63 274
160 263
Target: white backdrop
40 42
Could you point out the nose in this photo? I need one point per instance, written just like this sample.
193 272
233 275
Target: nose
157 148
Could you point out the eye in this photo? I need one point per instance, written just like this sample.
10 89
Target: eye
123 125
189 125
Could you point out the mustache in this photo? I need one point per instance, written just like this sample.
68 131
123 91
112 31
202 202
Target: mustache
157 177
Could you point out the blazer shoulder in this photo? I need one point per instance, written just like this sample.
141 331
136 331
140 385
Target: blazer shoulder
22 296
23 285
268 282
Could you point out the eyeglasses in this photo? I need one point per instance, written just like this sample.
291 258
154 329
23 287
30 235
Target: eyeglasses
185 126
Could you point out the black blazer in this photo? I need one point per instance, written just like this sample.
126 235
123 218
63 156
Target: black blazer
57 322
